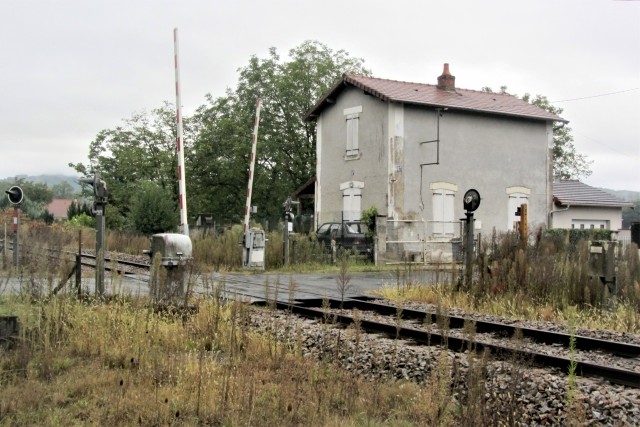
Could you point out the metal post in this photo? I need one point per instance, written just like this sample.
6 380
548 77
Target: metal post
16 228
287 209
79 265
4 247
468 246
100 249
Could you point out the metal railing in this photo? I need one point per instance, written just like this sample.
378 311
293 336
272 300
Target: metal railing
422 241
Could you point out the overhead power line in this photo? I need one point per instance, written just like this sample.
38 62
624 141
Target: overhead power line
597 96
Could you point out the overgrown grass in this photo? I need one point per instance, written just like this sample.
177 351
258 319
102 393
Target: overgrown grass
122 363
549 280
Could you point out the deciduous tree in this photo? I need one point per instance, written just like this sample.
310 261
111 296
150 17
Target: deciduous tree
152 209
142 149
286 148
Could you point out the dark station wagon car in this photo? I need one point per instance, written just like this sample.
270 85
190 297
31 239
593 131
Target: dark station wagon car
349 235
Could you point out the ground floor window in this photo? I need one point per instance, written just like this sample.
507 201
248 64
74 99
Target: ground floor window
443 201
517 196
351 200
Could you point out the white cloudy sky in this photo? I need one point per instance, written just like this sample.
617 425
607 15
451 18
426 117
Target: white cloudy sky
70 68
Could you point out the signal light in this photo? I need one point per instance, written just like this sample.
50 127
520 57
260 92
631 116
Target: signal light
15 195
99 186
471 200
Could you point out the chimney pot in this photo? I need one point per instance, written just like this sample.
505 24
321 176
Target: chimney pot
446 81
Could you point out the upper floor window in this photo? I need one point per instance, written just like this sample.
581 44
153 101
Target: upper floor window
352 118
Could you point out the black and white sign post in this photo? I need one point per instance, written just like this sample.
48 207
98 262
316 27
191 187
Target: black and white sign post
15 197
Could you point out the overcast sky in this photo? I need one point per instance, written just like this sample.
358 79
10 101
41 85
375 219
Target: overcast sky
72 68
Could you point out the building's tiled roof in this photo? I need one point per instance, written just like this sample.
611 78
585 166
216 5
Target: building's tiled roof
575 193
58 207
433 96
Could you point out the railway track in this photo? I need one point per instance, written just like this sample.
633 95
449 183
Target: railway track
541 347
380 318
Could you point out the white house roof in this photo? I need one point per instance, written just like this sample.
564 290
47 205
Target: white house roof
575 193
435 96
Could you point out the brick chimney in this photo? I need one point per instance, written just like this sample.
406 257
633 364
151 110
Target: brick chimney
446 81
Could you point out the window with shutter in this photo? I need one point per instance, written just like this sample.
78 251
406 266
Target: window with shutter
351 200
352 119
443 203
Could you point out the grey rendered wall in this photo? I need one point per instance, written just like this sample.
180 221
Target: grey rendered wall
488 153
370 168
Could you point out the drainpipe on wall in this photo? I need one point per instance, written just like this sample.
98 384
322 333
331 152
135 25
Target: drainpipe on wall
550 218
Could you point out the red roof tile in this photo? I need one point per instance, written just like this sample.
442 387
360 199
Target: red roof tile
432 96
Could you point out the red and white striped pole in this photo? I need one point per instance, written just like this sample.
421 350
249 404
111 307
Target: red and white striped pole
182 187
252 165
16 228
15 219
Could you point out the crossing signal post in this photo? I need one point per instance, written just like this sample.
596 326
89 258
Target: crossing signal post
100 194
471 202
288 221
16 197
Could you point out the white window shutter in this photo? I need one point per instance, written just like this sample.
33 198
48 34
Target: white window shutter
351 204
448 212
443 211
352 133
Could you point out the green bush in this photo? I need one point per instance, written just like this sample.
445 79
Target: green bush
574 236
82 220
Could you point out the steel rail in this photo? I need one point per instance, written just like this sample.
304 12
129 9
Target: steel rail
482 326
614 375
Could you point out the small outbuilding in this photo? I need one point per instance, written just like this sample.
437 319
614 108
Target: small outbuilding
578 205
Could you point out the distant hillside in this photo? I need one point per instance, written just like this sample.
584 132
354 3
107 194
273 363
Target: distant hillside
626 195
50 180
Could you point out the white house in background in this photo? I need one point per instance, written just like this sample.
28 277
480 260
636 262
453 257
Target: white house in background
577 205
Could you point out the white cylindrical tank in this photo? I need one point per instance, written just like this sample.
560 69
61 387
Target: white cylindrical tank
175 249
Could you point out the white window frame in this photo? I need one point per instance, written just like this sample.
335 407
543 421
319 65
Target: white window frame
443 196
351 200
